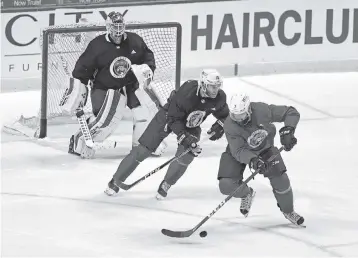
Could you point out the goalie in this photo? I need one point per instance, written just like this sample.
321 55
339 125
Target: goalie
119 66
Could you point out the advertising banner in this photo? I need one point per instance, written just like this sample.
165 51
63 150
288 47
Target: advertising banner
214 34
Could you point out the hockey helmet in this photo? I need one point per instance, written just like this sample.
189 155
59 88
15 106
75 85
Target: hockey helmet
239 107
115 25
210 83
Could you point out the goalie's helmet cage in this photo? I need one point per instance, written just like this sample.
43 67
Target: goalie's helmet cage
115 25
239 107
210 82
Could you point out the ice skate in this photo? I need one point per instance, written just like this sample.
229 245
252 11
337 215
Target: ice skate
246 203
112 188
294 218
162 190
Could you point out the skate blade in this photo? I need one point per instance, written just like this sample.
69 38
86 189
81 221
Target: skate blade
159 197
109 192
300 226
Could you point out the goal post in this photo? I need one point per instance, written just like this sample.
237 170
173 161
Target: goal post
62 45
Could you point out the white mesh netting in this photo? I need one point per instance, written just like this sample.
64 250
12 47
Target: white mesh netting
67 42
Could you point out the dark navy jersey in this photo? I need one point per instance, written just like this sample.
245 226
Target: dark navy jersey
102 61
188 109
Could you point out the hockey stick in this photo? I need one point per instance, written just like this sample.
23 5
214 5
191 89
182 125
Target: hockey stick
188 233
127 187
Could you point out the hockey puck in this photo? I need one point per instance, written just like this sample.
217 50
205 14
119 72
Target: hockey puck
203 233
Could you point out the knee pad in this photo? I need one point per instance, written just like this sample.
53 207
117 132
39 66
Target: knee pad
228 185
281 184
140 153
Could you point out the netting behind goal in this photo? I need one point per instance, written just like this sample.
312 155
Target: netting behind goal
62 46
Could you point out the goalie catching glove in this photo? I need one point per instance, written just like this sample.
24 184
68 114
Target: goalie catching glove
74 97
217 129
190 141
287 137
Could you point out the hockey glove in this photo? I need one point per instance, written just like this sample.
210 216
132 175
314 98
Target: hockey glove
258 163
218 129
190 141
288 140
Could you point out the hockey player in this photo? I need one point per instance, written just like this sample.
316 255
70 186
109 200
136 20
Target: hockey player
250 132
119 66
186 109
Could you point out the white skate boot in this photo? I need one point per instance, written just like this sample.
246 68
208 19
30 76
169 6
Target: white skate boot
112 188
294 218
246 202
162 190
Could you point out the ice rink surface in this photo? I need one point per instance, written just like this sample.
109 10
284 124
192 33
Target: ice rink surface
53 203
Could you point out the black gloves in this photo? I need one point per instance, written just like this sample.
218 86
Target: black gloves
218 129
190 141
258 163
288 140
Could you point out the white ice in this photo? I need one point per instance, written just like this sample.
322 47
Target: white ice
53 203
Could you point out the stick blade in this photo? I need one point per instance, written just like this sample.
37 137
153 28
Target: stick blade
123 186
177 234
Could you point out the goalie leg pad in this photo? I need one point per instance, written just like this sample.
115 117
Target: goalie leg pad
104 124
75 96
283 192
178 167
130 163
108 118
228 185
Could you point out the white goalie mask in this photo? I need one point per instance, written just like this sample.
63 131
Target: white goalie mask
210 83
115 26
239 107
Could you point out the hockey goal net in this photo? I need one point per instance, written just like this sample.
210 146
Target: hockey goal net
62 46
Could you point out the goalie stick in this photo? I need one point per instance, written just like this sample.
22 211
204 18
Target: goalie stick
188 233
127 187
81 118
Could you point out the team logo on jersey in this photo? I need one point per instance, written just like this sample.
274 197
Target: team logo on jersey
195 118
257 139
120 67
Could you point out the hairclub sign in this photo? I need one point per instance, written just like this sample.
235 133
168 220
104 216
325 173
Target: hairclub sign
214 34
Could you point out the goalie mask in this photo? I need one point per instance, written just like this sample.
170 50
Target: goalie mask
210 83
239 107
115 26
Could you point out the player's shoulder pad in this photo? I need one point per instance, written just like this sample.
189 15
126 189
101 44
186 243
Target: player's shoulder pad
187 90
189 87
259 107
